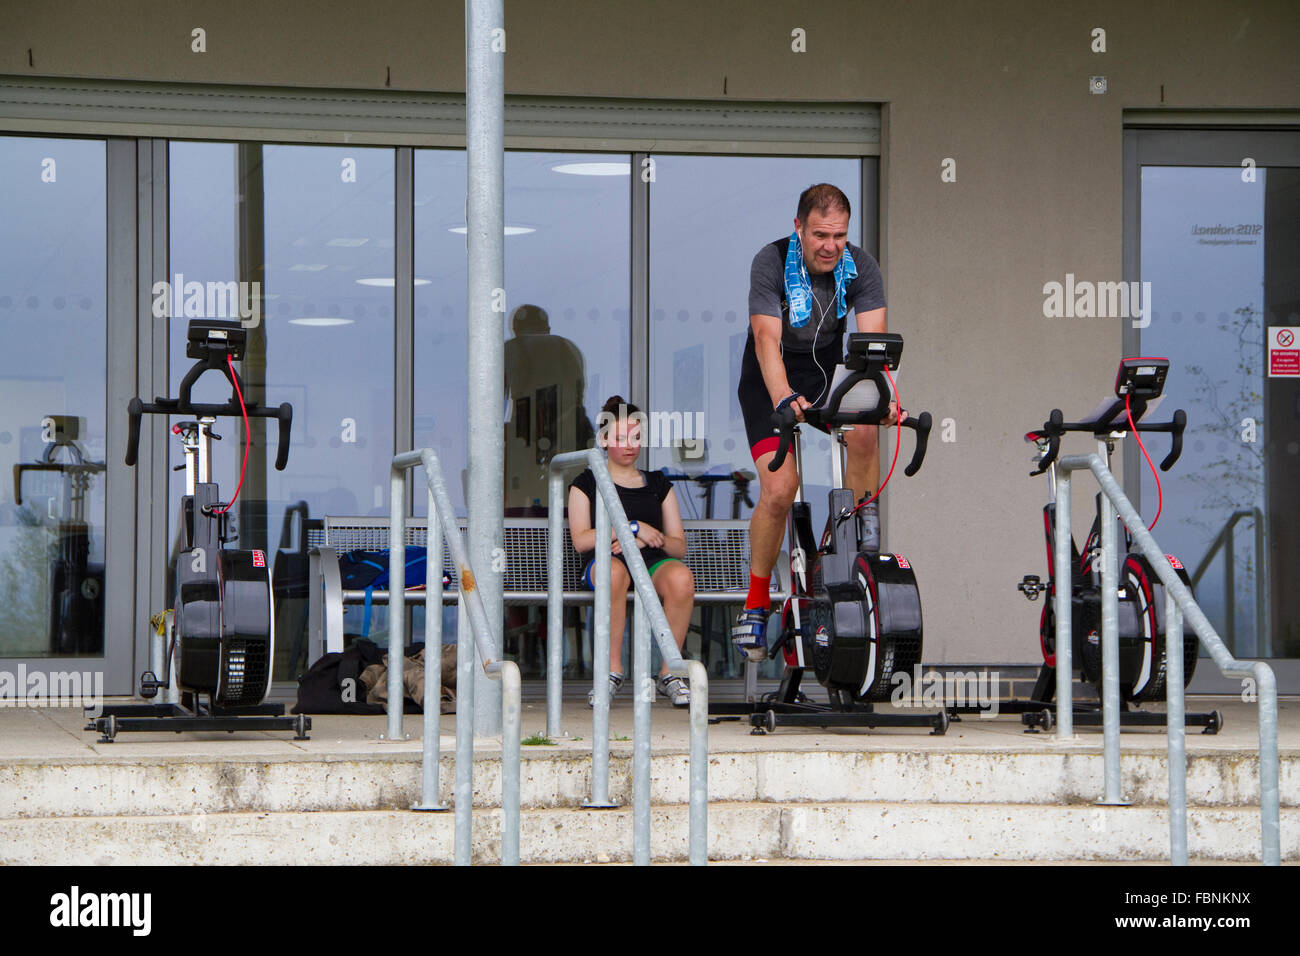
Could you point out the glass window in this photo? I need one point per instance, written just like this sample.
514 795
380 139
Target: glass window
567 264
53 312
306 234
1219 254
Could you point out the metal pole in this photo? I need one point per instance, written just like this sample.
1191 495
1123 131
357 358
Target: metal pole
1176 730
1110 651
396 600
692 670
600 665
554 603
1264 637
1265 680
643 696
464 798
485 201
432 731
1230 595
510 734
473 635
699 680
1063 581
1269 797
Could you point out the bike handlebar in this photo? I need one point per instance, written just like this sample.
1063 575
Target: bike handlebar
1056 426
136 409
60 466
785 422
921 425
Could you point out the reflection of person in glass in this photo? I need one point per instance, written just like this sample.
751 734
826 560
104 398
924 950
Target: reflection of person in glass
800 290
545 382
651 506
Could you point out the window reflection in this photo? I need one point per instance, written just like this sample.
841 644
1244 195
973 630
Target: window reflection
567 253
567 348
52 392
313 228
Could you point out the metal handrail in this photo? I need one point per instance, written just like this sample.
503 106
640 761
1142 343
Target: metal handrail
1263 637
1178 602
610 508
471 607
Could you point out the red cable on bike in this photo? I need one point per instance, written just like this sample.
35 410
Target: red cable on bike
234 378
867 501
1160 501
897 445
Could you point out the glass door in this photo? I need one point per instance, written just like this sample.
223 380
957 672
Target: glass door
1218 239
54 446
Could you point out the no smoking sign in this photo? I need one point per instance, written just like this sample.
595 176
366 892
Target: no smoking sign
1283 351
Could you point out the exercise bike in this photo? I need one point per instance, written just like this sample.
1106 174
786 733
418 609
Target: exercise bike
853 614
220 630
1143 642
76 613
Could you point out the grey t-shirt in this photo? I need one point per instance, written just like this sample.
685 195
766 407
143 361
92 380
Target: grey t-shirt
866 291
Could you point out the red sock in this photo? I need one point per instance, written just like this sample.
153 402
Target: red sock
760 591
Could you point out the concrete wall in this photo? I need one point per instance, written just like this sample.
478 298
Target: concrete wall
1001 87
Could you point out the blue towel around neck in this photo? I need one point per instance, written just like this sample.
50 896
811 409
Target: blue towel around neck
798 287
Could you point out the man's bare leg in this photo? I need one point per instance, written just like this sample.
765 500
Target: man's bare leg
862 472
766 532
767 523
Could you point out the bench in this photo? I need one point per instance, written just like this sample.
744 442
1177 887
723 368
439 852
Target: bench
717 552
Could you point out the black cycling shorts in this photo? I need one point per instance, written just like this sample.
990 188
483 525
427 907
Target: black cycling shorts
804 376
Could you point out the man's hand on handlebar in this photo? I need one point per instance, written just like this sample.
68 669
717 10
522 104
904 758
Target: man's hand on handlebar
794 401
896 414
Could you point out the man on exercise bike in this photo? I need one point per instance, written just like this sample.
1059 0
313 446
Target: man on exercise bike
800 291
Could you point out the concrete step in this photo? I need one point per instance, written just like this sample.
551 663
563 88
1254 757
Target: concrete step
32 787
738 832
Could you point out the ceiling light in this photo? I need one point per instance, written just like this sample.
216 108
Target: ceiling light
387 282
509 230
593 169
321 321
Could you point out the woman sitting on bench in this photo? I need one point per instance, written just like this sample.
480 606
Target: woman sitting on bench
651 506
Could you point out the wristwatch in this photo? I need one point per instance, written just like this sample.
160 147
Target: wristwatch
636 527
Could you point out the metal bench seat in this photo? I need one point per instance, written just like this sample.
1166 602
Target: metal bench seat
717 552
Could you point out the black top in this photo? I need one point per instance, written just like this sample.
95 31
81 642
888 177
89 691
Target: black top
641 504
